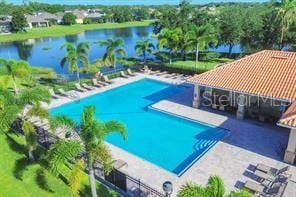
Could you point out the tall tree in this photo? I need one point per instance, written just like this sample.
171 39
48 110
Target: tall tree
287 16
69 19
230 26
16 70
93 134
201 37
143 47
75 56
114 49
185 12
31 138
18 21
169 39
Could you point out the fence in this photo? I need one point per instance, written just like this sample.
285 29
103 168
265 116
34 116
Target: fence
117 180
131 186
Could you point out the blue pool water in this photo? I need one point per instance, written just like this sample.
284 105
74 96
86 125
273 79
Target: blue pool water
167 141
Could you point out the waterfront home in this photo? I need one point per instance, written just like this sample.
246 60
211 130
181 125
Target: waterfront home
5 24
35 21
259 86
94 16
52 18
80 15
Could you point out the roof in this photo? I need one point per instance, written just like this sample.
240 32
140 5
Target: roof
80 14
94 15
267 73
48 16
35 19
288 119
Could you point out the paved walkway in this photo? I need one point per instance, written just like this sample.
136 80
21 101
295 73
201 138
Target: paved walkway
233 158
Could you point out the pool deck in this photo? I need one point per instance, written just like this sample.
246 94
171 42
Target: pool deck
234 158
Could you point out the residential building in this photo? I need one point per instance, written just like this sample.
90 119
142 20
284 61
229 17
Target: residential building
80 15
35 21
5 24
259 86
95 16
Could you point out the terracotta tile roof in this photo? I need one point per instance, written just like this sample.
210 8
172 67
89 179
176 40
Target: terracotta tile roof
289 117
267 73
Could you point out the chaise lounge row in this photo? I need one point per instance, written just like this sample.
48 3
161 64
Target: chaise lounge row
81 88
276 179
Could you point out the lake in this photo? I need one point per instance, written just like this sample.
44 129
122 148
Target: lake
46 52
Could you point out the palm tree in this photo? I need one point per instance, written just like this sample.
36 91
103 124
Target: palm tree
31 138
144 46
15 69
8 109
287 16
75 56
169 39
184 43
60 154
114 49
93 134
215 187
201 37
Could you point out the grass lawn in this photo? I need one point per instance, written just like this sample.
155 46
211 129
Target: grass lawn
60 30
17 177
202 66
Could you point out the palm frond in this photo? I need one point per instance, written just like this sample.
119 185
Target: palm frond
61 121
8 115
115 126
192 189
38 111
60 153
30 134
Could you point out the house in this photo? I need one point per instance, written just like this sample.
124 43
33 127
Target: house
80 15
260 86
52 18
5 24
34 21
94 17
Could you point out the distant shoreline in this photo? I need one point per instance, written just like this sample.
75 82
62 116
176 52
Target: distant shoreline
62 30
141 2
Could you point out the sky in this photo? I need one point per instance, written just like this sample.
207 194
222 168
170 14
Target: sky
130 2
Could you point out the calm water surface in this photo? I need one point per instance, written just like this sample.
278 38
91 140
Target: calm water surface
46 52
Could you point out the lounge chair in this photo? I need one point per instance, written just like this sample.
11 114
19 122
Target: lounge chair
103 83
107 80
84 85
96 84
276 190
255 187
79 88
122 74
62 92
270 170
53 94
154 72
264 176
162 73
130 73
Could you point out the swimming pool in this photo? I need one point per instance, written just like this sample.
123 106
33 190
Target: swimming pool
170 142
